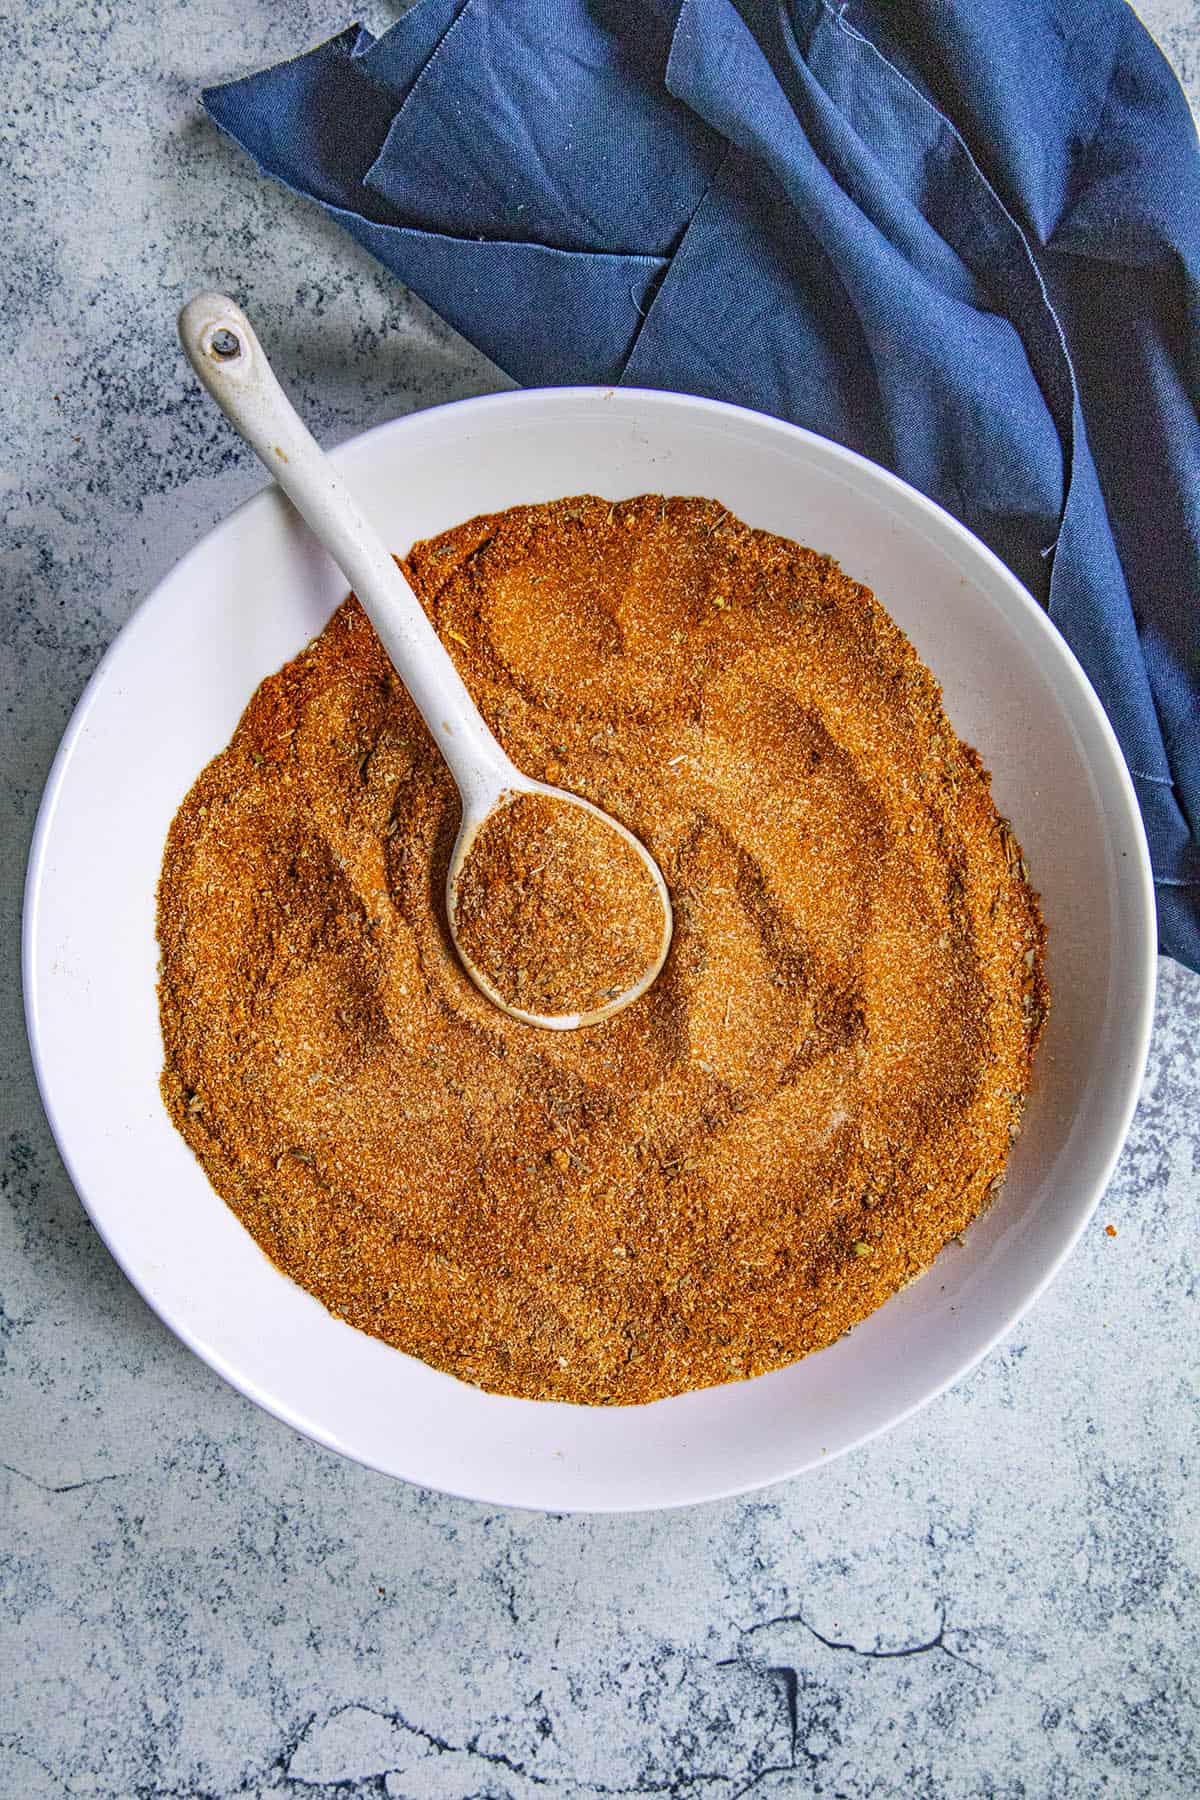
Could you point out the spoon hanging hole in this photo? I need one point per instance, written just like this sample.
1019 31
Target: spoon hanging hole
224 344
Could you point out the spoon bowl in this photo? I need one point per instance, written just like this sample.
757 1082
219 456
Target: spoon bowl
223 349
472 823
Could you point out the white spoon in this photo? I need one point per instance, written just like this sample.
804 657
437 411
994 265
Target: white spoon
229 360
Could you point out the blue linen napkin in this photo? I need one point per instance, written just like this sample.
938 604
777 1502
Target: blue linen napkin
960 236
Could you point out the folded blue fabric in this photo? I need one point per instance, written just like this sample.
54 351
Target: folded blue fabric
960 236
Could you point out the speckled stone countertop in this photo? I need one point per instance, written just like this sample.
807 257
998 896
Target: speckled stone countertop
997 1599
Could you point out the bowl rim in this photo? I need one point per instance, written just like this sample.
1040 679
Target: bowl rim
1142 926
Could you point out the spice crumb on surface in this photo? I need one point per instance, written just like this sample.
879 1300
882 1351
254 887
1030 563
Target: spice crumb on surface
556 910
819 1091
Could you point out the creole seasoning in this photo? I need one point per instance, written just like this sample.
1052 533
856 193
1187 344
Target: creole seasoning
817 1093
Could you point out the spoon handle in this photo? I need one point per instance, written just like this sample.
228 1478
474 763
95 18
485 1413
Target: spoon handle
223 349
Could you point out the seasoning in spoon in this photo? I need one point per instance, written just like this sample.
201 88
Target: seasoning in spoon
555 909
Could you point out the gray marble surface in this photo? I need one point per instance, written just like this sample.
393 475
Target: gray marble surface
998 1599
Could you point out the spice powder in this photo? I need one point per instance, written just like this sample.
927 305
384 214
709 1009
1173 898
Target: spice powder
555 909
819 1090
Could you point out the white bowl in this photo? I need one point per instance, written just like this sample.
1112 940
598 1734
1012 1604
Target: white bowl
167 697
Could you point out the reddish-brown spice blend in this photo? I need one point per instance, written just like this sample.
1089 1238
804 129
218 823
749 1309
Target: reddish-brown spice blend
816 1094
556 910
